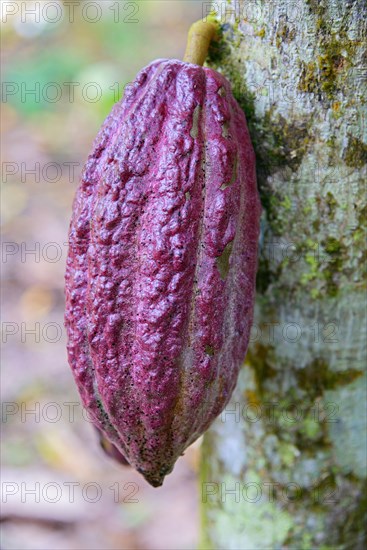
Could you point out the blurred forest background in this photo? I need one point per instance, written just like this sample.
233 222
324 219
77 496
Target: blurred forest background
64 64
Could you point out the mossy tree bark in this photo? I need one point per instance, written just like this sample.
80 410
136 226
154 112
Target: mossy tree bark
285 464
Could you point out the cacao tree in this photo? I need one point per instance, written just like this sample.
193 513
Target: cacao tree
284 466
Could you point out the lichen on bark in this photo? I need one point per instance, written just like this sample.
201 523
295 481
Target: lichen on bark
295 430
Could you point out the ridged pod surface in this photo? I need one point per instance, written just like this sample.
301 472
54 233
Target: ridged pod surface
162 261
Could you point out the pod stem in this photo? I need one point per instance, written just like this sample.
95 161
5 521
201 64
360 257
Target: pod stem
200 35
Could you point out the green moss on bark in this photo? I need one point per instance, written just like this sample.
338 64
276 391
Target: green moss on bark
317 377
355 155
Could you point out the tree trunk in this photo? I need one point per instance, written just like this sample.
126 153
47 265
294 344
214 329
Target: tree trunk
284 466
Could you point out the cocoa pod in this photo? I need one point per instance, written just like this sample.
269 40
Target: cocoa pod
162 261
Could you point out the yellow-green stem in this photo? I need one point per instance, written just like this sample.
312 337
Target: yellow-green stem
200 35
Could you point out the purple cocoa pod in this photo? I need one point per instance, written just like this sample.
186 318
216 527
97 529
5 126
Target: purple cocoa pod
162 261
